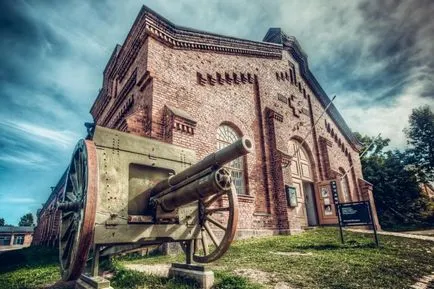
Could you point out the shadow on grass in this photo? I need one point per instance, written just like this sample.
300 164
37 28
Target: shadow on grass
347 245
28 257
61 285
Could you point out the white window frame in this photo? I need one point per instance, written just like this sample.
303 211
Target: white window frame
226 135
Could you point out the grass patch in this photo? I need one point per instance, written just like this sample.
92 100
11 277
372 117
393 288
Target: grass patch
225 280
325 262
314 259
128 279
29 268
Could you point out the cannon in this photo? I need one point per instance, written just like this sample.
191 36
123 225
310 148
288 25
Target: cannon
125 192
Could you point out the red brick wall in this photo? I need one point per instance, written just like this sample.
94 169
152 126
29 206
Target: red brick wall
265 98
47 229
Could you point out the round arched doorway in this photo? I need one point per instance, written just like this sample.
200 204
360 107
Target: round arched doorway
303 182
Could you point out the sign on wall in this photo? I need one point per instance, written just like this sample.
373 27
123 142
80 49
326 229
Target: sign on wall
326 201
291 196
334 192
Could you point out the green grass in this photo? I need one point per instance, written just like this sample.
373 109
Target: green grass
397 263
29 268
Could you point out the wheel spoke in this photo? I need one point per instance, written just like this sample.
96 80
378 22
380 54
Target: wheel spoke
68 229
215 222
71 196
213 210
67 215
213 199
204 244
80 165
82 172
73 178
196 245
67 249
211 234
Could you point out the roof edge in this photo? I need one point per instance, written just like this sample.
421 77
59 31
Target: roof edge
291 44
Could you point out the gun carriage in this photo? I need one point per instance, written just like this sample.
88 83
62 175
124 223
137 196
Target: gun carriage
124 192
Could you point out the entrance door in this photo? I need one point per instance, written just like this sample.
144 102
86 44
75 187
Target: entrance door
302 181
309 202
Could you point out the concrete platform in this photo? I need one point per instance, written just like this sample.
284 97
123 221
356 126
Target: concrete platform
88 282
198 273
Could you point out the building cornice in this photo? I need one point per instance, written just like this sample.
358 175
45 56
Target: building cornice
179 37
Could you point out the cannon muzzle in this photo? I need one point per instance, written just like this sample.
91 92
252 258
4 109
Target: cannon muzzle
201 188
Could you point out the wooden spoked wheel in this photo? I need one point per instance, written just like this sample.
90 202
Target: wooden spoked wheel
78 211
218 218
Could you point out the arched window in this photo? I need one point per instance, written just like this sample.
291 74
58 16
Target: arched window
345 186
226 136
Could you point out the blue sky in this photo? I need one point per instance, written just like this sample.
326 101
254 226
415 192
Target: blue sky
376 56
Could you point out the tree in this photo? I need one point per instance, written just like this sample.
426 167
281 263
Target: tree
2 222
420 134
26 220
377 148
396 189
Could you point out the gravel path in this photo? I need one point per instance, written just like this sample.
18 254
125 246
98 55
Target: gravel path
161 270
423 282
405 235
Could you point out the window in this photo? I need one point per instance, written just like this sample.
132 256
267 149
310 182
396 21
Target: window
226 136
5 240
18 239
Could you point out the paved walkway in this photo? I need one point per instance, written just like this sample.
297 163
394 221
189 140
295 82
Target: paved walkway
405 235
424 282
421 232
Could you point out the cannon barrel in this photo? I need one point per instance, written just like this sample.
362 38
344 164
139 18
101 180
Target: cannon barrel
217 181
239 148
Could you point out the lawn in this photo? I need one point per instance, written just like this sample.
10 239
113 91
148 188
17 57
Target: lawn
314 259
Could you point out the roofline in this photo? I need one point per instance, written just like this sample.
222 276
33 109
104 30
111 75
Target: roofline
291 44
163 30
59 184
194 30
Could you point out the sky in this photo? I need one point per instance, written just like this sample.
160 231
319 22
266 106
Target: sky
375 56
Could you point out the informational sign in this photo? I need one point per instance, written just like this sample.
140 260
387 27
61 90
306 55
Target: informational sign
291 196
356 213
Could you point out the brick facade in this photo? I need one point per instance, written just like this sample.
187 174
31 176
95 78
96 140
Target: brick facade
48 218
178 85
12 238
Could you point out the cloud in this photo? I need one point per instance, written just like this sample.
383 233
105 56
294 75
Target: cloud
375 56
45 135
17 200
390 119
26 159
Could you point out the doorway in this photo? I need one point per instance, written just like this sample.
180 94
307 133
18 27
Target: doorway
303 182
309 202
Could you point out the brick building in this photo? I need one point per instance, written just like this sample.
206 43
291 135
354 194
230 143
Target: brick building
48 217
12 238
202 91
